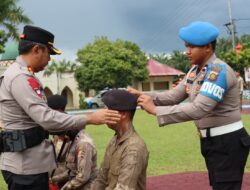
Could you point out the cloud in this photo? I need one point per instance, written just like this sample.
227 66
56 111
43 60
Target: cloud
152 24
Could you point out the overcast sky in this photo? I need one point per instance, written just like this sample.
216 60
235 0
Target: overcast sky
152 24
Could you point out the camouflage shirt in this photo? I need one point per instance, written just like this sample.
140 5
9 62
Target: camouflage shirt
80 166
125 163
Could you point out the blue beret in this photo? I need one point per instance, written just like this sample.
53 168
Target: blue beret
120 100
199 33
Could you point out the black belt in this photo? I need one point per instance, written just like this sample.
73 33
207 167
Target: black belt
19 140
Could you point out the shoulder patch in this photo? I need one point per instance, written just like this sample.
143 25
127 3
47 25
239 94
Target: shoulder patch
215 83
34 84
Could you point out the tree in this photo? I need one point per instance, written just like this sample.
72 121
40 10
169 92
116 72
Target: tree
176 59
59 68
237 61
110 64
11 16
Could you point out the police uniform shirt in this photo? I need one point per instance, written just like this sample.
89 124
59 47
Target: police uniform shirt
23 106
213 97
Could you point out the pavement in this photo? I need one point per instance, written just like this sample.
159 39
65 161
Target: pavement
186 181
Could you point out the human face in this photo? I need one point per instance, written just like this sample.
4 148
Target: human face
41 58
198 55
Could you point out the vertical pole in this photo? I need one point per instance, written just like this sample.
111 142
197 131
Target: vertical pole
232 26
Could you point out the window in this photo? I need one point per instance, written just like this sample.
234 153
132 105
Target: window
145 86
161 85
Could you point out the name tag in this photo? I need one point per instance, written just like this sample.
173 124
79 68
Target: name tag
212 90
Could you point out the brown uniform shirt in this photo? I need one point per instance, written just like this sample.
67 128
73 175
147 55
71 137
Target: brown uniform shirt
212 93
23 106
125 163
80 165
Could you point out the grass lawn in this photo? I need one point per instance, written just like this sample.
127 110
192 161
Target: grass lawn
174 148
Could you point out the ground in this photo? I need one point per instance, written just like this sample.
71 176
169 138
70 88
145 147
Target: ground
187 181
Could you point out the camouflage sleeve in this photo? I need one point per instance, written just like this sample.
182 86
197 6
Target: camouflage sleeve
170 97
130 170
100 182
63 177
84 164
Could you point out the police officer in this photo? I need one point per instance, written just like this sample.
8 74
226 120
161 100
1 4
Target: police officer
211 87
27 155
126 157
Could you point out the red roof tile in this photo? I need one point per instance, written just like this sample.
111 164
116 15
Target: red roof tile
157 69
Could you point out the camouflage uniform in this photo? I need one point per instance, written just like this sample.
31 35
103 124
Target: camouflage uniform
80 165
58 145
125 163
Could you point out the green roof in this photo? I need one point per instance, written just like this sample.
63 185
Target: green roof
10 52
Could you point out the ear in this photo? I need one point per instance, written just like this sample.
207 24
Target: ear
35 49
209 47
123 114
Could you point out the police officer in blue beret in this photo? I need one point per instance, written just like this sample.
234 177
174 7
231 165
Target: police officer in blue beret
27 154
211 87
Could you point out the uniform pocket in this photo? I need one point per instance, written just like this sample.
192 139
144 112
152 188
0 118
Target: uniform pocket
245 141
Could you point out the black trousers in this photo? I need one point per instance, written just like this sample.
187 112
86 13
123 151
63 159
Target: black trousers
226 157
26 182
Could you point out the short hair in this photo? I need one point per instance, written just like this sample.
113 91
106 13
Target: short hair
25 46
213 43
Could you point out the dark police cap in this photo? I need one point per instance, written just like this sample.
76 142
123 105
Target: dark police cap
199 33
39 35
57 102
120 100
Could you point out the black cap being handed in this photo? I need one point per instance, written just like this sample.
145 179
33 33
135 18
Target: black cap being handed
120 100
39 35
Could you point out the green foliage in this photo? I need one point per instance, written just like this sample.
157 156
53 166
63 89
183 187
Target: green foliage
176 59
82 104
11 16
59 67
236 61
110 64
3 40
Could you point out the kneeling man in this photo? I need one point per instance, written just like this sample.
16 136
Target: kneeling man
126 158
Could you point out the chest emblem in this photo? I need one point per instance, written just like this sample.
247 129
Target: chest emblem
214 73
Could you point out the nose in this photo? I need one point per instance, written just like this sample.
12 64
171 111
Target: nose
188 51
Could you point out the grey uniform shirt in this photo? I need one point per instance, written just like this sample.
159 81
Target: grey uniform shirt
212 93
23 106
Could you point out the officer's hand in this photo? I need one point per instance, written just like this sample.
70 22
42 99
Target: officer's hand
147 104
134 91
103 116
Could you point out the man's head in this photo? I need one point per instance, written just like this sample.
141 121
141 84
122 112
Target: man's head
122 101
57 102
200 41
37 44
